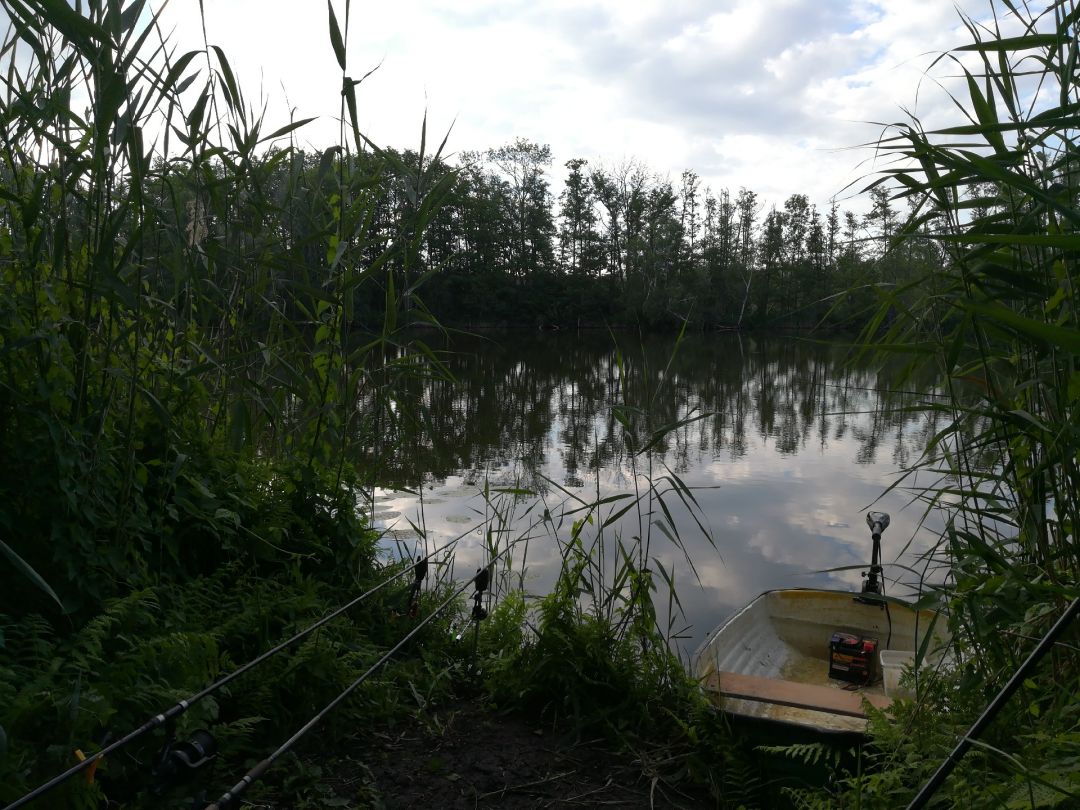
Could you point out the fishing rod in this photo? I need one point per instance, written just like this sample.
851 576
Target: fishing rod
977 728
480 579
174 712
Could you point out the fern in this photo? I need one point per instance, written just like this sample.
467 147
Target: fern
805 753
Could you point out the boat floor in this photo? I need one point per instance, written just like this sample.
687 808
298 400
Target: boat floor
803 694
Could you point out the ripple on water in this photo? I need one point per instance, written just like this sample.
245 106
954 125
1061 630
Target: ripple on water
401 535
464 492
387 515
458 519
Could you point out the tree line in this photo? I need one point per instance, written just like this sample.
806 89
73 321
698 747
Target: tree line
626 245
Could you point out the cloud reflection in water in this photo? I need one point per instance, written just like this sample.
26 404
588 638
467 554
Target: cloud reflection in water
797 445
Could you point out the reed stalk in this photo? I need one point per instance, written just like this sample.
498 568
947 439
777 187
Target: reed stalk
995 322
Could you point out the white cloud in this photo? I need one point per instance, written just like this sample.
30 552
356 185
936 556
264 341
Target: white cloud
746 93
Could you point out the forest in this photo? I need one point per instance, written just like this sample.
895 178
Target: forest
624 246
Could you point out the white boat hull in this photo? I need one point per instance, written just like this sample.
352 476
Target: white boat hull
771 659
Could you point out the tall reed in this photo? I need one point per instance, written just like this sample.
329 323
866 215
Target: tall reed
201 323
996 322
180 275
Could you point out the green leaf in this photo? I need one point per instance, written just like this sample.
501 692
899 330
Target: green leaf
986 111
177 70
335 36
348 89
130 16
1060 336
228 516
659 434
1017 43
27 571
232 94
285 130
195 117
71 24
1055 300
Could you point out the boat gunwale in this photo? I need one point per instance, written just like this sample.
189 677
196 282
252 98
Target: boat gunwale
884 599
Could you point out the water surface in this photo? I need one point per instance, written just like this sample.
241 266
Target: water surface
788 444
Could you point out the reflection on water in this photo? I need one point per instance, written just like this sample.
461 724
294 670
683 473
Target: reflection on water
784 444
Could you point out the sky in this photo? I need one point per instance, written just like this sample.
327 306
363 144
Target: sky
768 94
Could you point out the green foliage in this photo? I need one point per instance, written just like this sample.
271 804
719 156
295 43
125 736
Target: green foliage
195 338
997 324
583 675
151 649
634 250
577 670
915 737
195 341
172 319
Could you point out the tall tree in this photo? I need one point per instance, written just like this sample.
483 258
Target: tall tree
577 229
523 164
852 236
772 259
832 233
662 237
747 207
817 258
881 219
621 194
689 219
793 264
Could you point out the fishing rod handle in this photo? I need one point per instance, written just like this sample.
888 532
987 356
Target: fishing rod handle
233 793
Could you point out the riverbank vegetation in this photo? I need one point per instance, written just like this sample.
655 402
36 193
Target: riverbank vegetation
997 325
206 342
182 380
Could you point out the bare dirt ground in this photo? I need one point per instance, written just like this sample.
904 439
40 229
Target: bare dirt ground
467 757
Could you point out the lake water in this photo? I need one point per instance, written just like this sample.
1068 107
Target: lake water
785 445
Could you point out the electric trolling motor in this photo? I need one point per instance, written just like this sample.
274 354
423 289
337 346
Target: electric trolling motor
878 522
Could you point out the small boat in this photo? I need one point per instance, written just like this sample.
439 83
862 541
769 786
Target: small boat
813 658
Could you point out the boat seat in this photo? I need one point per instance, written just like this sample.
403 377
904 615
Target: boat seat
792 693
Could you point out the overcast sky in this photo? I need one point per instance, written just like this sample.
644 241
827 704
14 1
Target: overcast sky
766 94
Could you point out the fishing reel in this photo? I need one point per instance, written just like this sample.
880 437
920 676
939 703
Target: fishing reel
178 762
479 612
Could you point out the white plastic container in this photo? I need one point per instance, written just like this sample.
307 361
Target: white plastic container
893 663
